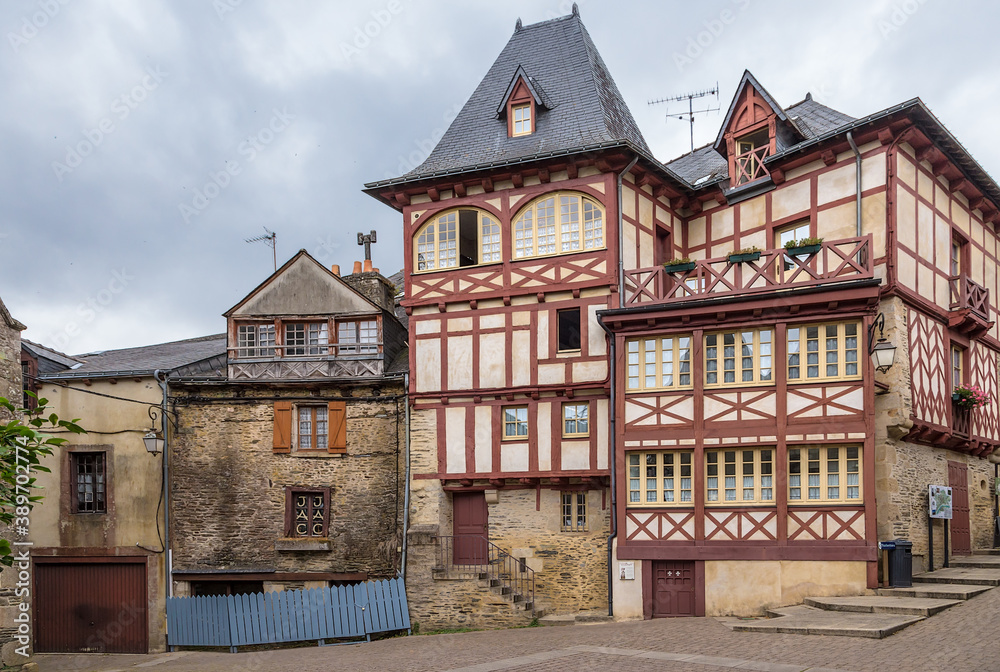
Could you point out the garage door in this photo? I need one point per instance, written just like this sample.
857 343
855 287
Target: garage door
90 607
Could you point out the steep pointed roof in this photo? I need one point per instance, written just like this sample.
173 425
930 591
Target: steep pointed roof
585 109
8 319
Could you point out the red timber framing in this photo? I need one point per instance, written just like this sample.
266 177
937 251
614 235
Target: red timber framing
775 416
751 115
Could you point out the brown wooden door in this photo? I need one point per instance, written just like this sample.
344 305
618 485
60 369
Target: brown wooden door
961 535
673 589
471 532
90 608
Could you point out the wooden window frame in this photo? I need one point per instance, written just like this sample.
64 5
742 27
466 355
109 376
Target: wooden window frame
571 518
561 231
244 350
286 428
797 335
756 358
517 422
957 267
637 355
668 467
357 347
797 482
514 121
75 458
290 493
559 329
958 354
489 241
585 420
761 484
314 444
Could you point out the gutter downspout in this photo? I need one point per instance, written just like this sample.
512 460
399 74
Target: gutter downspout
406 495
166 480
612 457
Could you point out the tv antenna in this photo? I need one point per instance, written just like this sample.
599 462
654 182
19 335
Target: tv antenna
270 239
689 97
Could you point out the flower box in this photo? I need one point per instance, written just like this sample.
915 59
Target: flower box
970 396
679 268
805 249
742 258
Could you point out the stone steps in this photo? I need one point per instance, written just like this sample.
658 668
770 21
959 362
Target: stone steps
805 620
879 604
576 619
936 591
976 561
966 576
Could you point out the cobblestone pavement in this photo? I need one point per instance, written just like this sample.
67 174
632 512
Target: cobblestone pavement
961 639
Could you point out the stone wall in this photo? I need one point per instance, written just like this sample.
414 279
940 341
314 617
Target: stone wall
228 486
10 360
10 388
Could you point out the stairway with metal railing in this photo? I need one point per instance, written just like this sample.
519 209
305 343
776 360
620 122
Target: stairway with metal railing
476 557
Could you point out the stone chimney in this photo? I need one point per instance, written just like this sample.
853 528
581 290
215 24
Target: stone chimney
372 285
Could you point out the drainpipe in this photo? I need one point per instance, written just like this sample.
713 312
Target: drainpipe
166 480
406 495
857 163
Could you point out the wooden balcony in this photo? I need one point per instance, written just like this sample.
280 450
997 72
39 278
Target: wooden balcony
836 261
750 165
970 306
961 421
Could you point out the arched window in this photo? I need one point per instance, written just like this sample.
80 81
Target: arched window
457 238
558 224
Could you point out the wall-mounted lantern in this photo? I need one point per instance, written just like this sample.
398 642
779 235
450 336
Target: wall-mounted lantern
153 439
882 352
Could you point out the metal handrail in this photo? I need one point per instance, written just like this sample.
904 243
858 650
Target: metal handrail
501 569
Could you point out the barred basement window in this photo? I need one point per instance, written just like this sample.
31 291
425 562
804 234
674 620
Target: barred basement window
738 358
581 226
660 478
574 512
747 476
659 362
824 352
255 340
308 513
832 474
90 487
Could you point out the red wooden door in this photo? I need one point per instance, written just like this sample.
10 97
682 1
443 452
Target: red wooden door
961 535
90 608
470 528
673 589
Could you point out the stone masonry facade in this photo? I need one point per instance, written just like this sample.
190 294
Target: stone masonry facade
228 485
10 388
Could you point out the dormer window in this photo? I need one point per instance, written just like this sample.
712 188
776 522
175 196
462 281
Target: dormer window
457 238
522 119
751 150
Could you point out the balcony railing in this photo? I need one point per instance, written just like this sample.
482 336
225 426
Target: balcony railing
966 293
775 270
750 165
961 420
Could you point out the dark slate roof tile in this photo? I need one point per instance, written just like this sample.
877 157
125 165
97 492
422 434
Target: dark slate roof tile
148 358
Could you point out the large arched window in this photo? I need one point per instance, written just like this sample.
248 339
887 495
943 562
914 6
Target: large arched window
457 238
558 224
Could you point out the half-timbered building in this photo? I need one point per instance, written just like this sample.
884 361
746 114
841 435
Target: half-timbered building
696 334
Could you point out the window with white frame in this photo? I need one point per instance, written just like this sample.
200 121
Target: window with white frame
558 224
738 358
659 362
576 420
457 238
306 338
744 476
824 474
255 340
824 351
357 336
522 119
515 422
660 478
574 512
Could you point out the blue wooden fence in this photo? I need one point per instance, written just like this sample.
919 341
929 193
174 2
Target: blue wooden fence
336 612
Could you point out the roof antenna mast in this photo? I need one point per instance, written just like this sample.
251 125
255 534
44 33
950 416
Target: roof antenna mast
689 97
270 239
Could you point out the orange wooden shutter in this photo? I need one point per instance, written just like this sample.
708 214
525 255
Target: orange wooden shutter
282 426
338 427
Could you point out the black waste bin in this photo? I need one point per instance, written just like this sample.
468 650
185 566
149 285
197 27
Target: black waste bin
900 563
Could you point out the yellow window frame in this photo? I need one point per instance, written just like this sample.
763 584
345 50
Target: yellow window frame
514 422
839 355
573 511
436 243
563 222
522 123
823 474
745 473
580 417
667 354
760 359
660 478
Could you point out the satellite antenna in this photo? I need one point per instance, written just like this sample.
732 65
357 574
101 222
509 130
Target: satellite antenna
270 238
689 97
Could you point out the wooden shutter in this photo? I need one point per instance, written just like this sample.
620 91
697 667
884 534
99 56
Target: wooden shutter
282 426
337 439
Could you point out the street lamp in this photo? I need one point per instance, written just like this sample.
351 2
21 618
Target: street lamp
882 352
153 439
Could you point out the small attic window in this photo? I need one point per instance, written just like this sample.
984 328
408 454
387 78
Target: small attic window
521 114
751 150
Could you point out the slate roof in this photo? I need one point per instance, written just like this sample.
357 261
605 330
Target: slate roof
401 364
587 109
705 165
49 360
146 359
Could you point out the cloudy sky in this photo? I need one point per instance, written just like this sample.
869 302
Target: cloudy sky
144 140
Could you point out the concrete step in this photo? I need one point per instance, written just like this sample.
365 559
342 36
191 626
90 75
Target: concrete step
977 561
803 620
876 604
986 551
576 619
967 576
936 591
